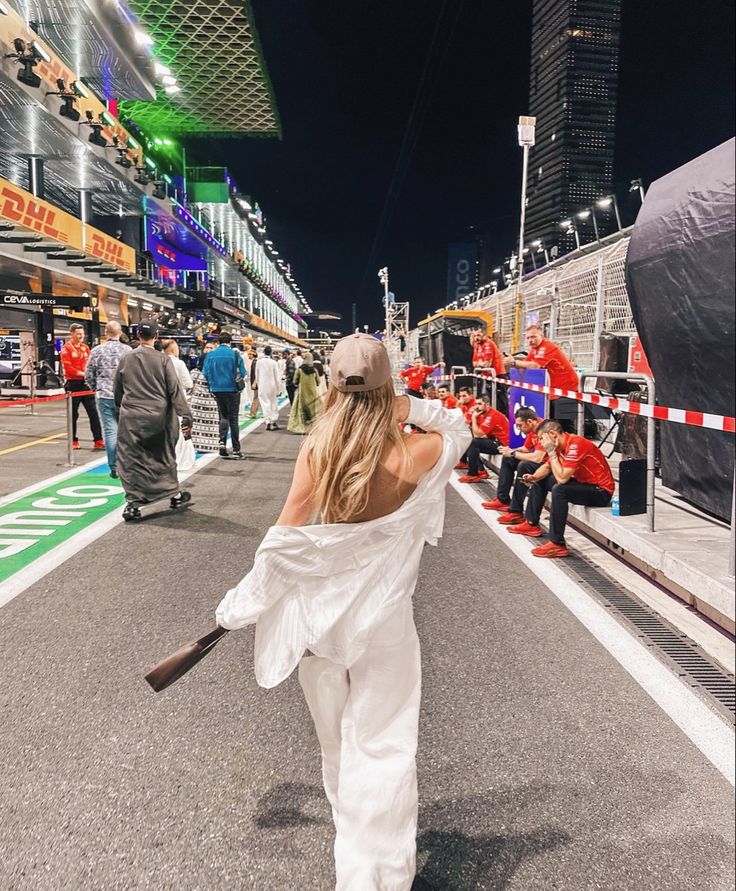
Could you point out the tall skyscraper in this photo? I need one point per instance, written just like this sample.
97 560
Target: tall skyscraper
573 89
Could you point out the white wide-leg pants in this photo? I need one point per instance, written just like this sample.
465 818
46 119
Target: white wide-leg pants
367 718
269 405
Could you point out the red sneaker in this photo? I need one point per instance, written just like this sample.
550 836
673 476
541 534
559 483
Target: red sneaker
474 478
510 518
75 444
461 465
99 444
551 549
495 505
525 529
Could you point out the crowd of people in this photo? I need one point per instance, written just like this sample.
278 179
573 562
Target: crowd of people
151 412
553 462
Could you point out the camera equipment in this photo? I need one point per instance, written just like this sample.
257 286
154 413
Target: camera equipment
159 189
28 56
68 99
95 137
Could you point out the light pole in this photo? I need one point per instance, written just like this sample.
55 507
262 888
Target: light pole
526 141
383 279
541 249
607 202
638 185
569 226
590 214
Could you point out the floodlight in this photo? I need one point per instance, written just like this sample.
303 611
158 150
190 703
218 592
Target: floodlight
169 80
142 38
604 202
79 88
170 90
108 119
132 143
583 214
39 52
161 69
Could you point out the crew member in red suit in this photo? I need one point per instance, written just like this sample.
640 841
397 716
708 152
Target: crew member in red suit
545 354
416 375
574 471
486 354
446 398
74 358
490 433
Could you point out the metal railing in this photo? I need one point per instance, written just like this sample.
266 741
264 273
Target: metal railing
651 426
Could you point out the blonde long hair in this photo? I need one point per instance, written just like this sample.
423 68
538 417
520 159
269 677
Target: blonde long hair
345 446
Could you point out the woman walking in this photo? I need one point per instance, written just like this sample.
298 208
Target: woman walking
205 416
306 400
334 598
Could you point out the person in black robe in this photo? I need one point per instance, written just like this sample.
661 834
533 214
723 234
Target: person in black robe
150 401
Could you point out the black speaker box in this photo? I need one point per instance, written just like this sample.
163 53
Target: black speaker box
632 487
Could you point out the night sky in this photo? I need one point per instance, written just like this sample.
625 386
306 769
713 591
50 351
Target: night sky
348 189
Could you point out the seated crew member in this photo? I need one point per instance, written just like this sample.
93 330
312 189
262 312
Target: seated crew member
486 354
466 401
514 464
545 354
446 398
431 393
416 375
575 471
490 432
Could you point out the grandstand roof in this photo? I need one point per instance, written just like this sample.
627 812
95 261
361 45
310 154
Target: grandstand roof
212 49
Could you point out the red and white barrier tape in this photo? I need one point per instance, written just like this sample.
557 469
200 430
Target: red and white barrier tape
659 412
14 403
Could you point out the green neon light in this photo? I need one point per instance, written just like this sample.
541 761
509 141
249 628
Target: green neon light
132 143
151 163
167 179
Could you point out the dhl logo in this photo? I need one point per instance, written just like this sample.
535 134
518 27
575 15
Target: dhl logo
31 214
109 250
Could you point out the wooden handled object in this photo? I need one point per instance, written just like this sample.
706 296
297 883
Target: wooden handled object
177 664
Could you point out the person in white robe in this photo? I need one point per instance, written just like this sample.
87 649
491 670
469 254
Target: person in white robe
268 380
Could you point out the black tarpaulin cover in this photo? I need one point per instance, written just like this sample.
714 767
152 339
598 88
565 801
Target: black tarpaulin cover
680 277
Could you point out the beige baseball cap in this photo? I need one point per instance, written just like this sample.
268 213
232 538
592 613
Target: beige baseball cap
359 363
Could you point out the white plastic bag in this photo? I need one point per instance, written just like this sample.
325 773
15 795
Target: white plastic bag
185 454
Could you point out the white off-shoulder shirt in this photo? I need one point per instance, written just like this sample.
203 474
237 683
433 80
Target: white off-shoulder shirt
327 587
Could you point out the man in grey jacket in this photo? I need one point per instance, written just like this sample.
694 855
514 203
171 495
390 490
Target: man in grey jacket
99 376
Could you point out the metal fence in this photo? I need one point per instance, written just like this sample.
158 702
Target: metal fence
578 299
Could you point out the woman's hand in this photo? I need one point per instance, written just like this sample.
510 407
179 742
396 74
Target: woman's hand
401 408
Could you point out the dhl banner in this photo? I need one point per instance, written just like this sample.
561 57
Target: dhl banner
20 207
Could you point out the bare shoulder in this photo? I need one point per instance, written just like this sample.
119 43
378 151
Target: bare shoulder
425 450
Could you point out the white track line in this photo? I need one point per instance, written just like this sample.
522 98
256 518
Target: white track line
24 578
711 735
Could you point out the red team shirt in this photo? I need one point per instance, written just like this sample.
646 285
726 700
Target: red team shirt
532 443
74 359
587 461
561 372
493 423
415 377
488 354
449 401
465 409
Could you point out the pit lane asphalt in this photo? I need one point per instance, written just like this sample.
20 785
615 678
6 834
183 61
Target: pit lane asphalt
542 764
